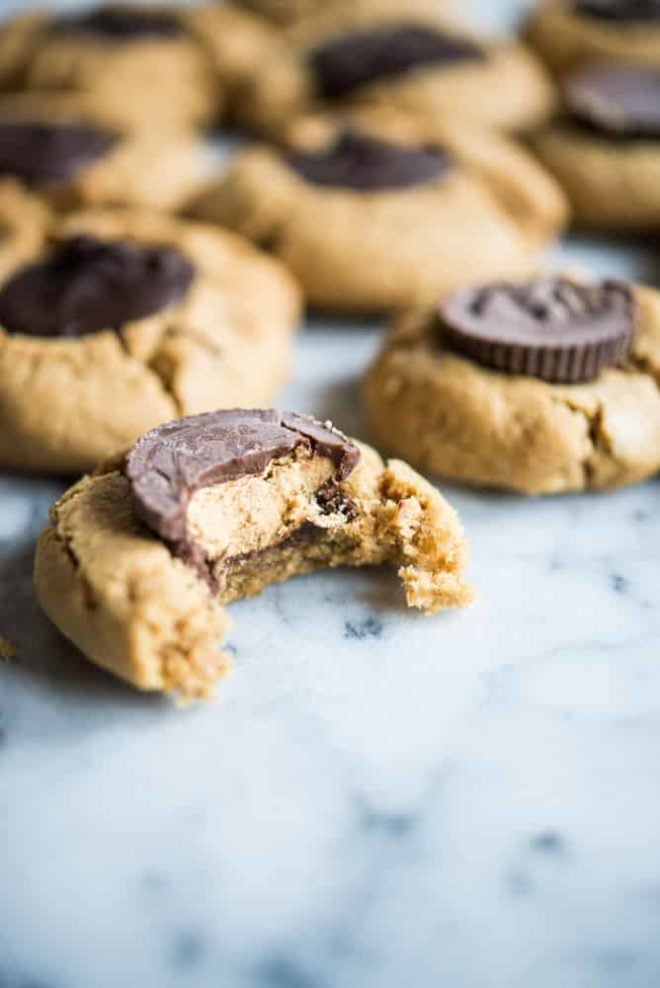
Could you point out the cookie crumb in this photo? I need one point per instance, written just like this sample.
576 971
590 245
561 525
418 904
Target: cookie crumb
7 649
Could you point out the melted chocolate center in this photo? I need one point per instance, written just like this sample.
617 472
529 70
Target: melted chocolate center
87 285
620 100
553 328
120 23
358 161
50 153
343 64
630 11
167 465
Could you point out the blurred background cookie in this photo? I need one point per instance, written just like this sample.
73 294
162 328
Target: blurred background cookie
375 212
127 319
405 59
605 151
569 33
50 143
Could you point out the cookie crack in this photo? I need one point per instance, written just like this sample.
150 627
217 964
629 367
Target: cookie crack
90 599
596 435
157 373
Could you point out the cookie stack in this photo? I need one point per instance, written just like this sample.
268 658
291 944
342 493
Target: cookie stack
389 160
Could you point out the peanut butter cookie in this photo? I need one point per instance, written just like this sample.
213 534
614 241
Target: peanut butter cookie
50 145
543 387
405 60
375 212
125 320
141 558
570 33
605 150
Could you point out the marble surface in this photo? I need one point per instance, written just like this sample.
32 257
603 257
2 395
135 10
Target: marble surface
376 799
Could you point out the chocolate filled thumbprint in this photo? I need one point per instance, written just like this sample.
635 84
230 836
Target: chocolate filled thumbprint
358 161
87 285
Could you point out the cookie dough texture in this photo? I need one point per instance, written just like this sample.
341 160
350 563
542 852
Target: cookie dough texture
508 88
357 250
65 403
460 420
23 224
566 39
120 595
150 169
612 184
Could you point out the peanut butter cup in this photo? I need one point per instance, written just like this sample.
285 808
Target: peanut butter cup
554 329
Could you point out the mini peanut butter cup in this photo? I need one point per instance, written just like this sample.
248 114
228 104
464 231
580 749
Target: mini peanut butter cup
626 11
554 329
615 99
173 461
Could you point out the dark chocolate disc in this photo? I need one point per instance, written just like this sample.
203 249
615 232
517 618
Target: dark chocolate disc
622 100
554 328
345 63
167 465
629 11
121 23
41 153
87 285
358 161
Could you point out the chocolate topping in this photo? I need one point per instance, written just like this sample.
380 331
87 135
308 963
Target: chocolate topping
121 23
620 10
87 285
554 329
621 100
358 161
48 153
343 64
167 465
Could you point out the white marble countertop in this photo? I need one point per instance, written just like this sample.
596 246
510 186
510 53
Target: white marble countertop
377 799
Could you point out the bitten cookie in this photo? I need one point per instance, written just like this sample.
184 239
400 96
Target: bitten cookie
125 320
402 59
51 147
543 387
23 223
378 213
570 33
140 559
136 65
605 151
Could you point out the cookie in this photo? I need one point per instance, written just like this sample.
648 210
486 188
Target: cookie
570 33
139 560
50 146
407 61
542 388
136 65
287 12
125 320
379 213
23 224
605 150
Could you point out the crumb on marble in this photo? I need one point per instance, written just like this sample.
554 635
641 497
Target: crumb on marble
7 649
